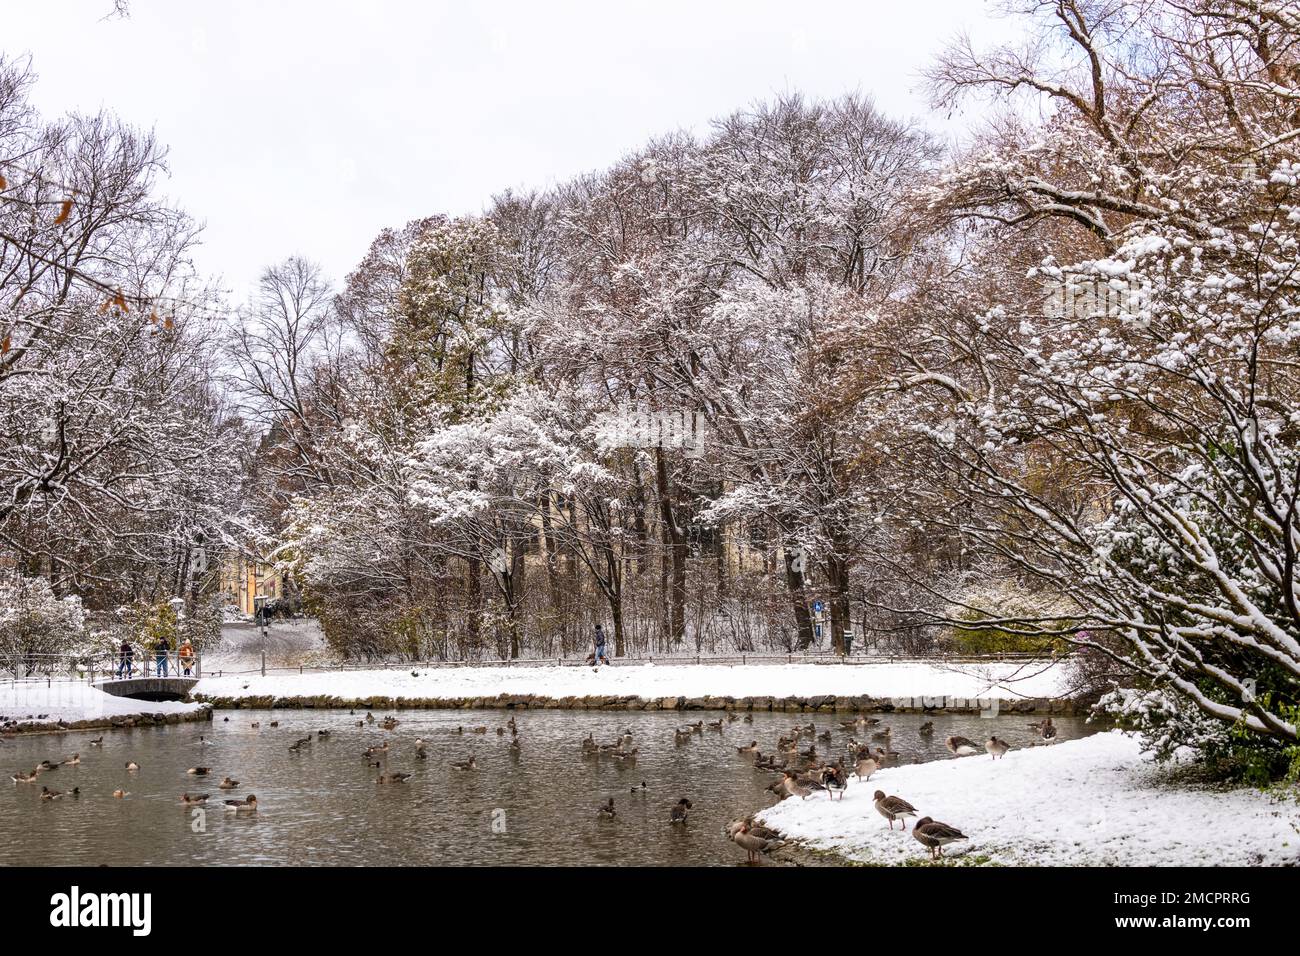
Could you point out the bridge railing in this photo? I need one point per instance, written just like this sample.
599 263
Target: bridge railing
94 668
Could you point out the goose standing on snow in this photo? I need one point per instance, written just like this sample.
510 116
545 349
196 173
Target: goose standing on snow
996 747
893 808
935 835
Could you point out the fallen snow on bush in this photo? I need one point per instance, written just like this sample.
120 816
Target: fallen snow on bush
1091 802
901 680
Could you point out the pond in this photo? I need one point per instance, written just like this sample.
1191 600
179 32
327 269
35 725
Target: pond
323 805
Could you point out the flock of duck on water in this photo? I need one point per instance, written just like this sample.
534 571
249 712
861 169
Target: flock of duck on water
802 771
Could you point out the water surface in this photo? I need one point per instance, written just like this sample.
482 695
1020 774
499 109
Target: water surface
324 806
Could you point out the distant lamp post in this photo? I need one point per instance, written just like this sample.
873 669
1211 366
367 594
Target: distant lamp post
259 604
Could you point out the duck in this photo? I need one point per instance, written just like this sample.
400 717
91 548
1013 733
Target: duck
396 777
247 805
893 808
750 748
865 767
256 724
199 771
883 734
48 794
1048 731
857 723
322 734
961 746
935 835
470 764
824 736
732 717
45 766
389 723
639 790
697 727
607 811
717 724
194 799
834 779
514 747
120 794
370 718
748 718
589 745
376 750
996 747
482 729
132 766
21 776
927 728
97 742
228 784
275 723
681 736
751 843
298 744
678 813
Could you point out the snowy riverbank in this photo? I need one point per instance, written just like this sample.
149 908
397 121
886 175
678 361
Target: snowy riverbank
34 705
1090 802
905 684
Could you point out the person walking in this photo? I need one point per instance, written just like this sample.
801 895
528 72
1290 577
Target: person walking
186 656
600 647
124 659
160 657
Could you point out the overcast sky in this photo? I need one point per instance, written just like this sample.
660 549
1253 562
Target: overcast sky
304 127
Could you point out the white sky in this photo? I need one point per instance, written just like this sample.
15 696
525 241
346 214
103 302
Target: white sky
305 126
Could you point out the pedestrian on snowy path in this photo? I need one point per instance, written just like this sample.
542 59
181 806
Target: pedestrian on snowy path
124 659
186 657
600 646
160 657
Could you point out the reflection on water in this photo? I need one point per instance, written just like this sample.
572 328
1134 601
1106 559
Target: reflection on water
323 804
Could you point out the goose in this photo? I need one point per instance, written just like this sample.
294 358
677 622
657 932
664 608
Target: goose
996 748
927 728
375 751
607 811
247 805
626 754
883 734
478 730
857 723
625 741
961 746
893 808
678 814
751 843
397 777
514 747
681 736
97 742
228 784
748 718
835 779
21 776
298 744
132 766
750 748
795 787
1048 732
589 745
199 771
697 727
194 799
865 767
732 717
120 794
470 764
935 835
716 724
514 730
45 766
824 736
48 794
370 718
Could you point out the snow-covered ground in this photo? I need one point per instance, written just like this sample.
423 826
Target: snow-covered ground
896 681
288 644
1090 802
34 702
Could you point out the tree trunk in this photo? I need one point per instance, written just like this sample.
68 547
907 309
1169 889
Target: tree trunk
676 547
794 583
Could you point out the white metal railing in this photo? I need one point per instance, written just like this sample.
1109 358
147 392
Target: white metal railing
97 668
